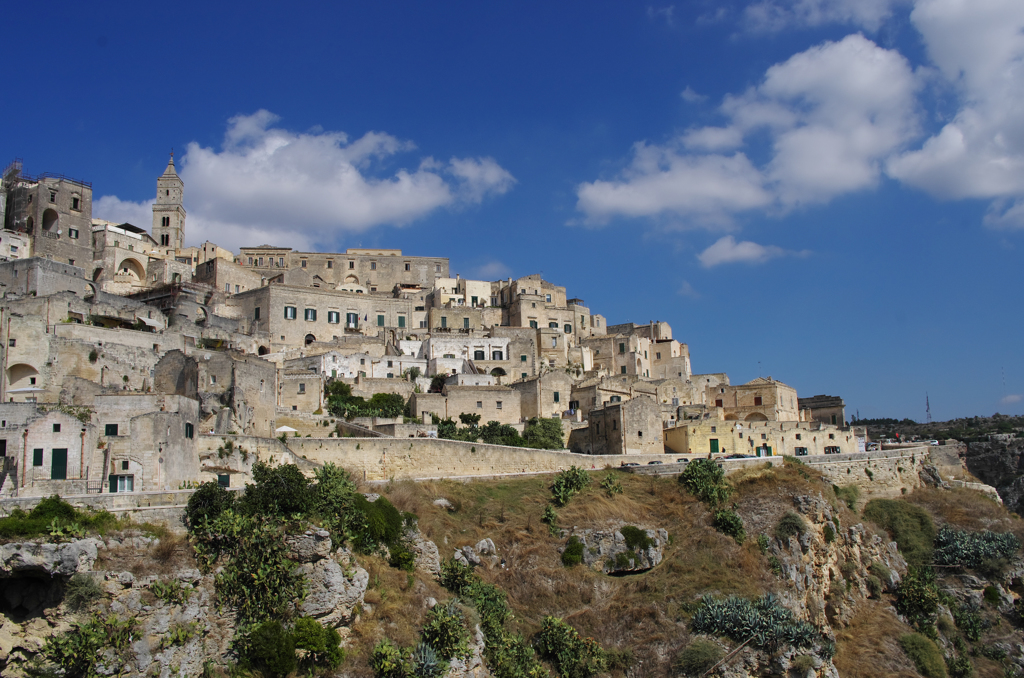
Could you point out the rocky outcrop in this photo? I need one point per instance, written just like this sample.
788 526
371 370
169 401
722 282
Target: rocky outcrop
427 557
335 583
609 551
1001 465
54 560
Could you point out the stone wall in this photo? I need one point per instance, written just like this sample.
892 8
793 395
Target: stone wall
886 473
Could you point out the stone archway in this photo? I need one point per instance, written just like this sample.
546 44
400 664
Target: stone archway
309 339
22 375
756 416
262 350
50 219
133 269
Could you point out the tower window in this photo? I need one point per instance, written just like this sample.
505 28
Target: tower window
74 203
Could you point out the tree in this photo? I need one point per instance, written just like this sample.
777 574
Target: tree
543 434
493 433
469 419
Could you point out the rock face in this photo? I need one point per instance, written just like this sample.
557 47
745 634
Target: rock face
1000 464
336 585
48 559
609 551
428 558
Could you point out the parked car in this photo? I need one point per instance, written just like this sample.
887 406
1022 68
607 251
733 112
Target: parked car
630 463
652 463
933 442
682 460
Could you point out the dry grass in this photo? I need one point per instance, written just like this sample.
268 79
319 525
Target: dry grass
967 510
869 646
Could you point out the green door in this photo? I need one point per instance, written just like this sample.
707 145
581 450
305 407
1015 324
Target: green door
59 464
714 446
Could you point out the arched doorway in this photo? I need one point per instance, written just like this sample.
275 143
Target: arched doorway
49 219
756 416
351 280
262 350
133 269
22 375
310 339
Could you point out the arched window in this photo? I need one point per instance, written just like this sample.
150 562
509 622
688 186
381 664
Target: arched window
49 219
310 339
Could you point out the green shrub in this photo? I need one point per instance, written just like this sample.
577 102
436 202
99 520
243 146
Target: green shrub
728 522
170 591
335 502
790 525
456 576
572 655
698 658
426 663
53 516
917 597
573 553
445 632
550 518
320 643
960 548
81 591
910 527
636 539
76 651
543 434
383 524
803 664
829 533
763 542
959 666
925 654
705 480
880 570
277 491
874 585
402 558
991 595
568 484
387 660
765 621
611 486
968 621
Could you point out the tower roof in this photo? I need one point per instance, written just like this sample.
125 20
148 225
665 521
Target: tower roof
169 172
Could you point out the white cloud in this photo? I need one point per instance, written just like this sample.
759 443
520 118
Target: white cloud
492 270
727 251
978 48
664 13
269 184
690 95
833 113
687 290
772 16
1011 399
112 208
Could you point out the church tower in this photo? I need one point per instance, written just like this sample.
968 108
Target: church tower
168 214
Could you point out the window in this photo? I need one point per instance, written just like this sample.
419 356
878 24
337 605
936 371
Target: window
124 464
391 375
764 436
190 430
122 483
554 342
310 314
373 265
352 320
73 233
798 436
32 381
623 370
556 396
479 404
714 429
362 361
330 263
444 321
56 428
261 261
548 299
256 313
250 261
524 375
465 323
553 325
622 348
497 355
289 313
498 405
831 436
236 289
380 321
657 356
110 430
351 265
75 202
213 378
12 342
224 479
533 324
37 456
832 450
303 263
718 403
401 321
568 329
472 301
302 388
227 287
53 197
407 266
479 355
757 401
333 317
800 451
280 262
437 268
615 425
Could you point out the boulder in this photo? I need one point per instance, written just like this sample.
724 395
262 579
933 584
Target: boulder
310 546
50 559
428 558
441 502
607 551
334 592
485 547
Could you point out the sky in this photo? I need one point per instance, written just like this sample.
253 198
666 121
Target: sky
828 192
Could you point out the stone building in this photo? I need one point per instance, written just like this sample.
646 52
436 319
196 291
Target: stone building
824 408
492 403
629 427
546 396
761 399
168 212
627 354
759 438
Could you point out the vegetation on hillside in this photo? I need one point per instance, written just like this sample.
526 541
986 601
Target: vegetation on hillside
539 433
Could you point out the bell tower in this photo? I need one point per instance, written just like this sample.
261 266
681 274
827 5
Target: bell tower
168 213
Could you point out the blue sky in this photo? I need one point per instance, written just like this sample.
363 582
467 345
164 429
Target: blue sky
830 192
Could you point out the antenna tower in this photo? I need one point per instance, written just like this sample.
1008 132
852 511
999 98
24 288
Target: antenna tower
927 409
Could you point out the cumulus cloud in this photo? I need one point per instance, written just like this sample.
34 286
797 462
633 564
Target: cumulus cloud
978 48
112 208
492 270
727 251
690 95
833 114
1011 399
687 290
772 16
267 183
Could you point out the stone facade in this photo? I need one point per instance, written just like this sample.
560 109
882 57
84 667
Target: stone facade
630 427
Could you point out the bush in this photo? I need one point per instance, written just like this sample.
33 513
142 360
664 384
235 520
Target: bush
388 660
636 539
881 571
925 654
572 655
910 526
698 658
790 525
829 533
705 480
568 484
334 501
206 503
573 553
728 522
321 645
917 597
611 486
277 491
803 664
53 516
456 576
972 549
874 585
969 621
76 651
269 649
383 524
493 433
959 666
992 595
764 620
81 591
445 632
426 663
848 494
543 434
